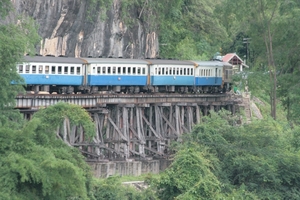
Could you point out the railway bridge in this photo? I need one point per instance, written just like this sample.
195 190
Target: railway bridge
131 127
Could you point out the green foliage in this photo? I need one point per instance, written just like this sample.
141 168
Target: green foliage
187 29
257 156
188 177
34 164
15 40
29 169
272 27
112 188
5 7
53 117
254 161
96 7
11 118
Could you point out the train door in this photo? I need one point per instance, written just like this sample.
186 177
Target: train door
85 74
216 75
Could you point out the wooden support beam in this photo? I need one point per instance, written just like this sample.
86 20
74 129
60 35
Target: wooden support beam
151 128
170 125
117 129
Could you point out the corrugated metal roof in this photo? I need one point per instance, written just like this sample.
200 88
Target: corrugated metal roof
114 61
209 63
52 59
169 62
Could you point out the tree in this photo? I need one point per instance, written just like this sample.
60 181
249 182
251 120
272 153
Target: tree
188 177
257 157
35 164
15 40
187 28
268 24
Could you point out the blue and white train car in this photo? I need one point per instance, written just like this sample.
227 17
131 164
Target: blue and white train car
171 75
117 74
54 74
208 75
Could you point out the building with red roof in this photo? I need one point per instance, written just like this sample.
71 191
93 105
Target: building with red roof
237 63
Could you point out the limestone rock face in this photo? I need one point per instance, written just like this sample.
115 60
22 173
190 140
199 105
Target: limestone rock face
68 28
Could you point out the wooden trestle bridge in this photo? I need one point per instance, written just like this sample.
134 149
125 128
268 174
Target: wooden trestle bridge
131 126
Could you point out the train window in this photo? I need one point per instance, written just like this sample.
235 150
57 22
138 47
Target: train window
33 69
103 70
94 70
119 70
158 71
184 71
155 70
129 70
20 68
163 71
170 70
138 70
134 70
167 70
114 70
144 70
72 70
180 71
124 70
98 70
174 71
78 70
40 69
27 69
177 71
53 70
47 69
59 69
188 71
66 70
108 70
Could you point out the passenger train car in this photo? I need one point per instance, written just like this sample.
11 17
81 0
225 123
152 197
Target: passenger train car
116 74
52 74
92 75
167 75
210 75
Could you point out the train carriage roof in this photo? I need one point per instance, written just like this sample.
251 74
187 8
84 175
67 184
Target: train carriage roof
114 61
169 62
211 63
52 59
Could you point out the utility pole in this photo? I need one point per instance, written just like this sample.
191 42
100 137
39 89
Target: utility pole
246 41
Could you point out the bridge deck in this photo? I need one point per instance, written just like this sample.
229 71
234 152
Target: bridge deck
35 101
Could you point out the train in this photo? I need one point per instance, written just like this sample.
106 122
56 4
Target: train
69 75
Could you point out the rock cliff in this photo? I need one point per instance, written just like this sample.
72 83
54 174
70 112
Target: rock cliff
67 28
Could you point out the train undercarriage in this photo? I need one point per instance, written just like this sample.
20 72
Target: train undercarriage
62 89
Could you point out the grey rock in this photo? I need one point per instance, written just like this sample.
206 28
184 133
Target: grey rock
68 28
